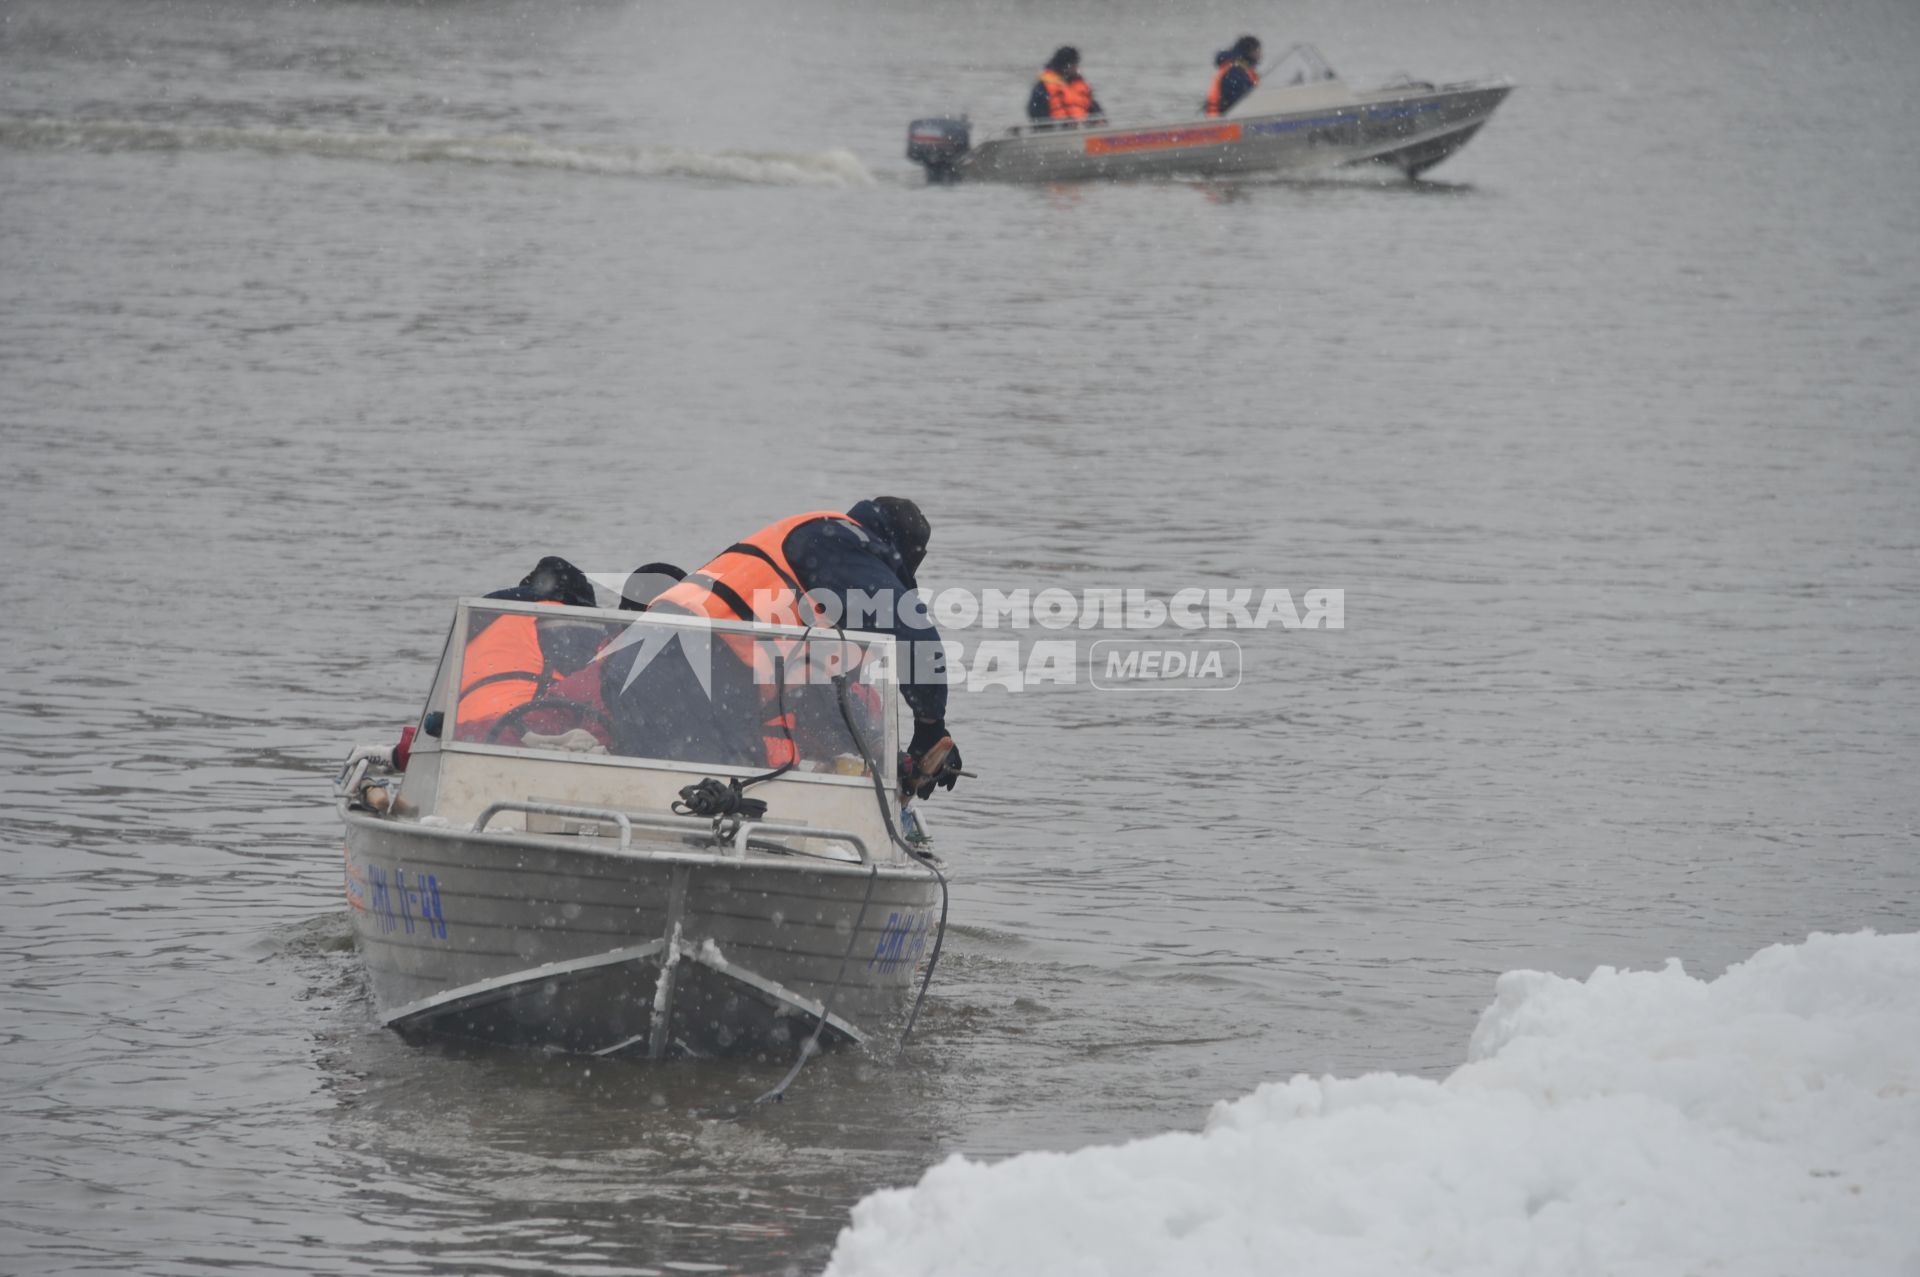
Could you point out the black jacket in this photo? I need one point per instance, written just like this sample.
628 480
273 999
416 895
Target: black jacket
1236 85
833 557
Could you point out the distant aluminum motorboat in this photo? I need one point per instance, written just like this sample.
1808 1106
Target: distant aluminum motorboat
1303 118
534 876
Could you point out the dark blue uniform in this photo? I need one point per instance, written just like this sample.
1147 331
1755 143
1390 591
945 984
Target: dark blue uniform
837 558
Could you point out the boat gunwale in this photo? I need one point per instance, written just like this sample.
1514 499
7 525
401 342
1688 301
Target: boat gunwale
905 869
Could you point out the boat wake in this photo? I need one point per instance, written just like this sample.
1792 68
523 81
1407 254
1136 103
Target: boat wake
831 168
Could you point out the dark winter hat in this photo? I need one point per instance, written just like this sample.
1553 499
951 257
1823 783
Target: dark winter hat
1247 47
910 529
896 525
1064 57
554 580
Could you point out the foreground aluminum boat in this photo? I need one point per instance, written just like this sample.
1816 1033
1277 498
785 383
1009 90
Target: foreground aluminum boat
525 880
1310 124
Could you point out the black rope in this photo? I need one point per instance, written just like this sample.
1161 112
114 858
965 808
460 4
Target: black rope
811 1046
924 857
933 960
717 800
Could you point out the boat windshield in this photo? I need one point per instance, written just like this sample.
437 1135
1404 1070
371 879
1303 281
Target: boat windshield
673 689
1300 64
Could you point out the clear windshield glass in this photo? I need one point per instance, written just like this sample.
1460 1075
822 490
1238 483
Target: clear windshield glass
646 688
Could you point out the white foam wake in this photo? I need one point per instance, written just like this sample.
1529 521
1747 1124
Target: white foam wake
817 168
1634 1124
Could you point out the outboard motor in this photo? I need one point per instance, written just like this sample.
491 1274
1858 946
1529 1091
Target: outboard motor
938 144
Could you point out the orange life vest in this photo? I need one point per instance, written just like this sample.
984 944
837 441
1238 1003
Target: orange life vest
503 667
752 581
1067 99
1219 78
750 571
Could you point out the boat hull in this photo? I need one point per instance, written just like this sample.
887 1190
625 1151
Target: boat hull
658 950
1412 131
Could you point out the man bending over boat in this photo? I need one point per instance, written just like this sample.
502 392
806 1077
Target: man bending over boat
1234 75
871 552
1060 98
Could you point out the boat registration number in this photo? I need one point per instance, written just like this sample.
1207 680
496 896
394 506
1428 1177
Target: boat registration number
902 941
396 900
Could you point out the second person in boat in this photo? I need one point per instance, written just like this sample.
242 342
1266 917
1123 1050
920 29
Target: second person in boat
1060 97
1235 74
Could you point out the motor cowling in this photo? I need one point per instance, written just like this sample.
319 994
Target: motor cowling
938 143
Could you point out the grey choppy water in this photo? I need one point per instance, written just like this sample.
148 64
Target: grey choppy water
317 315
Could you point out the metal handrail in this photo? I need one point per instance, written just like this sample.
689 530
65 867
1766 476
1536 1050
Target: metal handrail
674 824
361 760
746 830
560 809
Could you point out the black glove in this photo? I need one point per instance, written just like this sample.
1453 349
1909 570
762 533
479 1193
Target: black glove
949 774
925 736
932 759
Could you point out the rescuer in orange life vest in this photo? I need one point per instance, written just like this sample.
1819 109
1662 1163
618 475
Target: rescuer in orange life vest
511 659
875 548
1234 75
1060 98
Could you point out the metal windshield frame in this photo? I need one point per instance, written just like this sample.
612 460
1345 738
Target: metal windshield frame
454 659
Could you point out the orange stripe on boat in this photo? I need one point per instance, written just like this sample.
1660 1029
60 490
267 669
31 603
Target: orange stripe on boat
1200 135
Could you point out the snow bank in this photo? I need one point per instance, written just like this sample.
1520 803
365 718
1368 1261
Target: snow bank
1767 1122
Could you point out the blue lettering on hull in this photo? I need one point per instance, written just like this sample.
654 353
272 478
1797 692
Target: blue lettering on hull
397 901
902 941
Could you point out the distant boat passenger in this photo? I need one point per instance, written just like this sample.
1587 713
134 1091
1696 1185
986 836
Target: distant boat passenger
1060 98
1234 75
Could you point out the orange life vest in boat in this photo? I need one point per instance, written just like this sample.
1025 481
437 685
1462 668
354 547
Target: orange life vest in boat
752 581
1219 78
502 668
1067 99
750 571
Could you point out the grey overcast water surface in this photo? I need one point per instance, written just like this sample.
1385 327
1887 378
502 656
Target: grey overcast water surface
314 316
